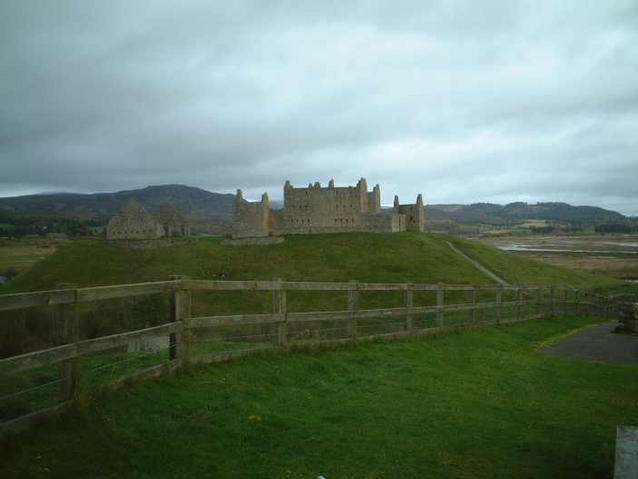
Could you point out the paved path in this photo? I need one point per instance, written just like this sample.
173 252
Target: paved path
598 343
478 265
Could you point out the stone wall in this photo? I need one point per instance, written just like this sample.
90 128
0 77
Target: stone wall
325 210
252 219
374 200
386 222
414 214
134 222
253 241
172 221
317 209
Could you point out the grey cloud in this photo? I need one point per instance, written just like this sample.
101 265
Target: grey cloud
463 101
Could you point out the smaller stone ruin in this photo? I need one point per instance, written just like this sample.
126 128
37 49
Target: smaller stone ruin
173 221
134 222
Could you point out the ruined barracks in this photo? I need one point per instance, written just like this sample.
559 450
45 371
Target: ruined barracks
325 210
135 222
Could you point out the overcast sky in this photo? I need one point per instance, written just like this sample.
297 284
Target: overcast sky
463 101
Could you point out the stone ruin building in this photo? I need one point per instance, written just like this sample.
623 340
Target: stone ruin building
135 222
325 210
173 221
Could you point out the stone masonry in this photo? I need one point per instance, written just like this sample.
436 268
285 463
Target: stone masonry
134 222
172 221
325 210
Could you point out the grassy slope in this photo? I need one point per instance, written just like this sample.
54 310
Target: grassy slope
364 257
404 257
517 269
471 404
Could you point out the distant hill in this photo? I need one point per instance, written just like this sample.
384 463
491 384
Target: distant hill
200 205
519 211
194 203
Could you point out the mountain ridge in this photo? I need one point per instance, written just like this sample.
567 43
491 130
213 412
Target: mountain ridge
202 205
193 202
521 211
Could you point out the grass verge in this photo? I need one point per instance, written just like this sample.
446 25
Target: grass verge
476 403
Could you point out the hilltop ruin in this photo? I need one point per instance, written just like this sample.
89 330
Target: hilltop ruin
331 209
135 222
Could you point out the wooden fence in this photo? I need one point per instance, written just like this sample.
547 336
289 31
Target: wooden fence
290 329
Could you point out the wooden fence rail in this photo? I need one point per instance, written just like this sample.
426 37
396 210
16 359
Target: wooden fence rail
545 301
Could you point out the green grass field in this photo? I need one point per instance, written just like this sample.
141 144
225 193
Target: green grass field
475 403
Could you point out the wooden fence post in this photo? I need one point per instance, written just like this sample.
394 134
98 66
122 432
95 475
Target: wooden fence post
68 322
539 293
499 305
173 338
577 306
440 302
473 310
353 307
408 307
180 304
279 309
183 300
519 300
613 305
565 303
552 297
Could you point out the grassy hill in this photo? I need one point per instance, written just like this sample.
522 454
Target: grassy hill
399 257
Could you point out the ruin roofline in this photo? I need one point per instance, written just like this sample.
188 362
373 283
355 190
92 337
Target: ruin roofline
361 182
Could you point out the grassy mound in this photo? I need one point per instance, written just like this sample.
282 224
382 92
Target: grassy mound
480 403
400 257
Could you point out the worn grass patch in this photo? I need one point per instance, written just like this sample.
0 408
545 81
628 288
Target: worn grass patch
479 403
